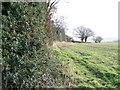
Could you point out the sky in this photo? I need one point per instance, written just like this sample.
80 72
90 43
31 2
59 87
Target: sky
101 16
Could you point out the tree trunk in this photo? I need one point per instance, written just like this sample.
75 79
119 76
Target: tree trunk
86 39
48 27
95 41
82 39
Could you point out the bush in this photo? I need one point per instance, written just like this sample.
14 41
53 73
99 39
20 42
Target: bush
24 49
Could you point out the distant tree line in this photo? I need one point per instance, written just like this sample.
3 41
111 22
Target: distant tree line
59 31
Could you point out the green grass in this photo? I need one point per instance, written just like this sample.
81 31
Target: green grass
93 65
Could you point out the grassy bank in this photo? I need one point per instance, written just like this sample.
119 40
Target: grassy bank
92 65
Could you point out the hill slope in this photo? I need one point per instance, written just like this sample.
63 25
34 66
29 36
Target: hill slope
89 65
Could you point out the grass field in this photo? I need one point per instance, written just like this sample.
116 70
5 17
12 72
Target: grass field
93 65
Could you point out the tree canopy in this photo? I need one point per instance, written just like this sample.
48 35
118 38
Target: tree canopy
98 39
83 33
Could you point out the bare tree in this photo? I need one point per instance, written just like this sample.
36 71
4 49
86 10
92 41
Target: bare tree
59 29
79 32
88 33
98 39
51 8
83 33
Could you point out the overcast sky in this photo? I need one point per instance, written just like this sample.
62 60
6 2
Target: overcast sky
99 15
